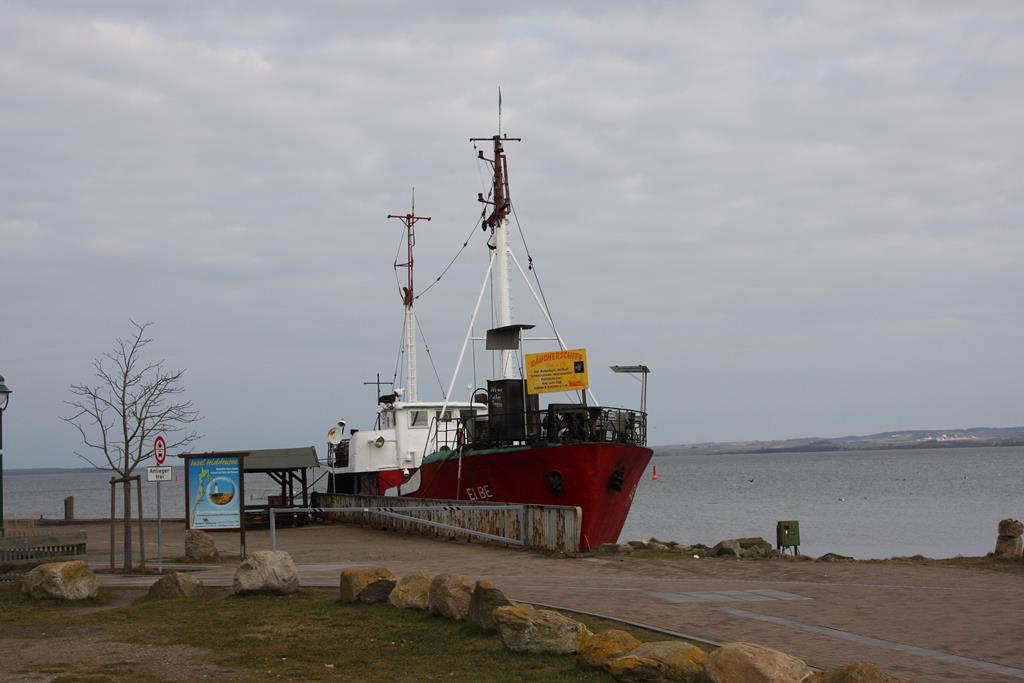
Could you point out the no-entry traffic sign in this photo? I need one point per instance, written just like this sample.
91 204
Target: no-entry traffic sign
160 449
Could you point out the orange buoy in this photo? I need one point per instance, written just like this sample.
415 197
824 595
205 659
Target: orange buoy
655 475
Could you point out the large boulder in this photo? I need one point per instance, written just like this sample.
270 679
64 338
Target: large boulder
727 548
858 672
1011 527
743 547
597 650
756 547
485 599
366 584
60 581
449 596
671 660
524 628
749 663
411 592
199 546
1009 547
266 571
177 585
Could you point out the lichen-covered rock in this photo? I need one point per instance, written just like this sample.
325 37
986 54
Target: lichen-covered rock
60 581
411 592
266 571
1011 527
656 545
366 584
1009 547
449 596
485 599
524 628
671 660
639 543
199 546
749 663
858 672
597 650
177 585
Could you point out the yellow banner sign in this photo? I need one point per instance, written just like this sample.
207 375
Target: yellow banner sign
556 371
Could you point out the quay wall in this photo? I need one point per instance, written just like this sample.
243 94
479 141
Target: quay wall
539 527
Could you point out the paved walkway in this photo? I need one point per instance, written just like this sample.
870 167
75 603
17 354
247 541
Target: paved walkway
927 623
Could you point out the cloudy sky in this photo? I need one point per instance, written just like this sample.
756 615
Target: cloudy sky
806 218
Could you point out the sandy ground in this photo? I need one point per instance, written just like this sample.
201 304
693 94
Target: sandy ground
920 621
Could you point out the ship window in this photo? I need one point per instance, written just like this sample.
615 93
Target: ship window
417 418
446 418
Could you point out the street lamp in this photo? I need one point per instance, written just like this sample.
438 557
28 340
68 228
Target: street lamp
5 396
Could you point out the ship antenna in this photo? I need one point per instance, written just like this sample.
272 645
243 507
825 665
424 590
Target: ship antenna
499 110
409 220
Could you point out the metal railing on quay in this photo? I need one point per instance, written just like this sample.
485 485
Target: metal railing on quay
392 513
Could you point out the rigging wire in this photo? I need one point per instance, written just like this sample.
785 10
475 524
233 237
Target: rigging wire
533 268
426 347
465 243
398 251
401 352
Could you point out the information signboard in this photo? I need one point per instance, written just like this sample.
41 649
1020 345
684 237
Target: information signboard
214 491
556 371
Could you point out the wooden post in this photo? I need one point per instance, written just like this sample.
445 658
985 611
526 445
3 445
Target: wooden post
142 538
69 508
113 519
241 509
305 493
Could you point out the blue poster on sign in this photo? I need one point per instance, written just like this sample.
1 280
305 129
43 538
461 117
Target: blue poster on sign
214 492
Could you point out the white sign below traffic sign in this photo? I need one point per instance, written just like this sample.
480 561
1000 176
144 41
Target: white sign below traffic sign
158 473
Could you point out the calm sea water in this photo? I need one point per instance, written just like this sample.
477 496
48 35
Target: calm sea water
939 503
42 495
876 504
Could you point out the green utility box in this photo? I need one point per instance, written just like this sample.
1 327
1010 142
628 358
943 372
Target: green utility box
787 535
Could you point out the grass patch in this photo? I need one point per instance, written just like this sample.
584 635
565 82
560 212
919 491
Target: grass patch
307 636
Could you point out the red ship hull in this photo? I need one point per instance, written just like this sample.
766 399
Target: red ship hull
599 478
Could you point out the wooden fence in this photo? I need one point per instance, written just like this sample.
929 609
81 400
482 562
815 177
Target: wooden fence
542 527
24 551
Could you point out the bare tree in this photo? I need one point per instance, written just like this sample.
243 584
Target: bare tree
129 402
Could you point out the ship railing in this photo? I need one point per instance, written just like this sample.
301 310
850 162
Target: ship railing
558 423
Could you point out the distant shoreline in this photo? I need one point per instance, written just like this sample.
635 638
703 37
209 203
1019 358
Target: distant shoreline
923 445
831 447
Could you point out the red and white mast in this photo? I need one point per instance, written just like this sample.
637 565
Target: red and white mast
409 220
497 221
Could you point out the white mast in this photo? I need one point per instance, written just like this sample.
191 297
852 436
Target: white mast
408 297
509 368
410 354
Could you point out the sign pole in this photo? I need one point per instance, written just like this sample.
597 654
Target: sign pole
160 456
159 547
